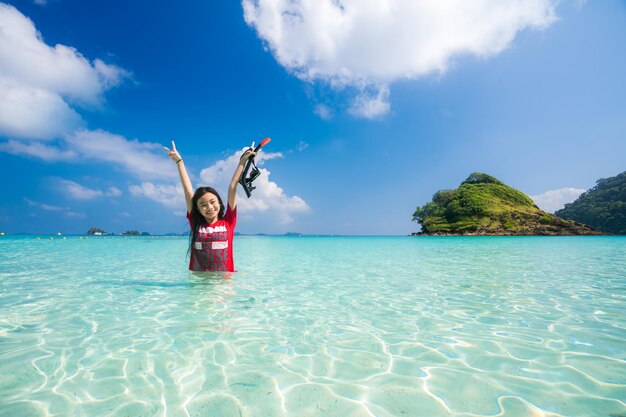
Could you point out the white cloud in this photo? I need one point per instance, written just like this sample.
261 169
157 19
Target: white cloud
171 196
67 212
39 83
374 43
147 160
323 111
76 191
144 159
24 56
554 200
43 206
29 112
268 197
302 145
370 105
38 150
113 192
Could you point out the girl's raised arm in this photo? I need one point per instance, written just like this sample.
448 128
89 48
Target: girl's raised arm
182 172
232 187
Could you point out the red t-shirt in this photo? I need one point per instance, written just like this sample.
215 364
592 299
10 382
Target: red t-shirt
213 248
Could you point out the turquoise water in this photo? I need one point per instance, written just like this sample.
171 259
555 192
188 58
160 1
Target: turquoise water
485 326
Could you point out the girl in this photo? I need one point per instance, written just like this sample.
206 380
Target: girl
212 229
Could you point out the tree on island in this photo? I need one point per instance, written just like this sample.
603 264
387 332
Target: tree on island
603 206
484 205
95 231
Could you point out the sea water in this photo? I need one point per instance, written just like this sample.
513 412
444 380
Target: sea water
314 326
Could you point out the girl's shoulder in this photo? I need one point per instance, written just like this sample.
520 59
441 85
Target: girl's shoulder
230 214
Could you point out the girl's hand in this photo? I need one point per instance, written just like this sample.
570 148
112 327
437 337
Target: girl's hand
173 153
247 155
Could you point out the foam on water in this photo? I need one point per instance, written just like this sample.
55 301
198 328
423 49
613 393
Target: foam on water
314 327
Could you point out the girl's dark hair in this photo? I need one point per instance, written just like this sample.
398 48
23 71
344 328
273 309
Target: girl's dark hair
198 219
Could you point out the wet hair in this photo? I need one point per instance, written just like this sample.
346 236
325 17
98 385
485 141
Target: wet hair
197 219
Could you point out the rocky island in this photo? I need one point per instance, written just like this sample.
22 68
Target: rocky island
483 205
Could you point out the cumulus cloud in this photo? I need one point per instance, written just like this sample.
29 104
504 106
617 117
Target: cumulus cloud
39 87
39 83
171 196
38 150
370 44
268 197
554 200
144 159
77 191
28 112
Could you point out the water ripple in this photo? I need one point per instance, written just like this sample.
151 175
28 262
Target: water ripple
315 327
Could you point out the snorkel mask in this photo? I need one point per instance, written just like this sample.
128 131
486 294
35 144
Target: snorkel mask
246 180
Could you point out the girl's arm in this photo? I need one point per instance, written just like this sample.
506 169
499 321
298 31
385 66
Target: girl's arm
182 172
232 187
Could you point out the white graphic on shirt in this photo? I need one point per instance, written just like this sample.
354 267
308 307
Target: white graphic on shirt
208 230
219 245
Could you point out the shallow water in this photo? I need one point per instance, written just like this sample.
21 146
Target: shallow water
375 326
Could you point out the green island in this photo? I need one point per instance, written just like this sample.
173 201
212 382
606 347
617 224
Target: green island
602 207
483 205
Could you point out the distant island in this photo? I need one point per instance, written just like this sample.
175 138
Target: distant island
482 205
602 207
99 232
135 233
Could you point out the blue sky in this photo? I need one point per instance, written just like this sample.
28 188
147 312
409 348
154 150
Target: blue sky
371 108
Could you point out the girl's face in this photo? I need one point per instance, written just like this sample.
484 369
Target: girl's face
209 206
